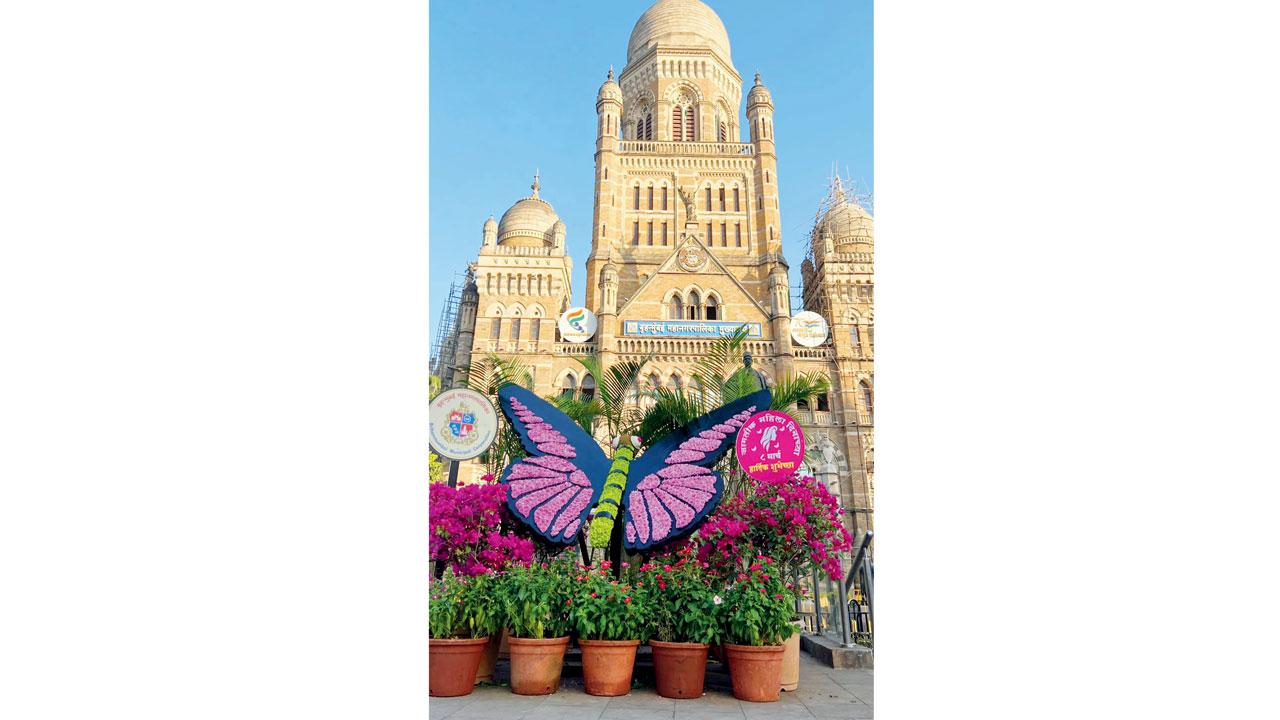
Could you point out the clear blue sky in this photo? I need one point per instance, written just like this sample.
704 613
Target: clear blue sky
513 88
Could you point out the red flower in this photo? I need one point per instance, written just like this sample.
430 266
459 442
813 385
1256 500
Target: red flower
593 593
626 601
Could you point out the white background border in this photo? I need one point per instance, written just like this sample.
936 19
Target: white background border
213 220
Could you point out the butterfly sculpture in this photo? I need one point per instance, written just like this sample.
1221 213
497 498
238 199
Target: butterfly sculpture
661 495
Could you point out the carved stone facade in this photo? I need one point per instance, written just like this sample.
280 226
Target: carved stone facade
686 226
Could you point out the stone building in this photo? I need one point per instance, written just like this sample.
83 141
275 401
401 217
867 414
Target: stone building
686 228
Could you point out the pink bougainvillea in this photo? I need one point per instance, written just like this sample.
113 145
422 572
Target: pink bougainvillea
466 529
794 521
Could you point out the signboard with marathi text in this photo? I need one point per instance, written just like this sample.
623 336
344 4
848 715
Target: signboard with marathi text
770 446
688 328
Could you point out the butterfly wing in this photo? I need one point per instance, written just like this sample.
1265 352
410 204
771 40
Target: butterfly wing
672 486
552 490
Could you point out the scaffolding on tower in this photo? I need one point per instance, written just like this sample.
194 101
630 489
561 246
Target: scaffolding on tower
840 191
445 343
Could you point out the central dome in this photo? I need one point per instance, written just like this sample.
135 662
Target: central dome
687 23
531 222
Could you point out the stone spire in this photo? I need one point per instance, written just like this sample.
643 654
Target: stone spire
536 185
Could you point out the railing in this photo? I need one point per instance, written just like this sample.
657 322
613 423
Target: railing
650 147
818 353
815 417
858 609
572 348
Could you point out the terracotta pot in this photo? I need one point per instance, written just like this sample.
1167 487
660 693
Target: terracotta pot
536 664
791 660
756 671
607 666
453 666
680 668
490 657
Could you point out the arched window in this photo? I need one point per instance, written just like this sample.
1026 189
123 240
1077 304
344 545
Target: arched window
515 328
664 197
824 403
802 404
677 124
866 396
588 387
736 206
853 336
695 305
648 126
637 197
495 328
737 234
688 124
722 207
713 308
724 132
676 308
708 199
536 328
568 386
673 382
650 197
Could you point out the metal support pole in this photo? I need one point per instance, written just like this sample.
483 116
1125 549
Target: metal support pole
846 636
453 473
817 606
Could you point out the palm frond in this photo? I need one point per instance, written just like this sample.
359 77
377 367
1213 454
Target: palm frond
580 410
672 409
804 387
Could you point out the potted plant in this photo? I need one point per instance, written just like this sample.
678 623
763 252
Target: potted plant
535 602
466 536
610 618
795 523
458 622
757 613
683 611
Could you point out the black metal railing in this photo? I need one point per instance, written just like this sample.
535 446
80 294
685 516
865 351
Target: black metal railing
859 602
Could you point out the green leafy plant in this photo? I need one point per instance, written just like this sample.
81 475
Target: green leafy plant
681 598
604 609
757 607
487 376
534 600
461 607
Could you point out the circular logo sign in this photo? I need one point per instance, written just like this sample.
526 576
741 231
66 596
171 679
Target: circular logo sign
808 329
577 324
691 258
770 446
463 424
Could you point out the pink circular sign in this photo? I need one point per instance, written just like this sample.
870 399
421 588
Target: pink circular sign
770 445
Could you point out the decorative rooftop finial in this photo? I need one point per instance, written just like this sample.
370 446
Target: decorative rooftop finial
610 72
757 77
535 184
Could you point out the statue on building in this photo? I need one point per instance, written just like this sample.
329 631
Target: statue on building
830 454
755 379
690 212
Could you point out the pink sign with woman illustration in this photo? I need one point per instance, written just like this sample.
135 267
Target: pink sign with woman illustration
770 445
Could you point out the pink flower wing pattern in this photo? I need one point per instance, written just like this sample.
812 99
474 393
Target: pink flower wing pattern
670 499
550 491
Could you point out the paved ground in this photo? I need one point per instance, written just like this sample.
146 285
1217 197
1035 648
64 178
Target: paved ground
824 693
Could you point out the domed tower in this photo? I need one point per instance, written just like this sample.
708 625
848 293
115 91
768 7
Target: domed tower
466 330
522 277
490 233
760 116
